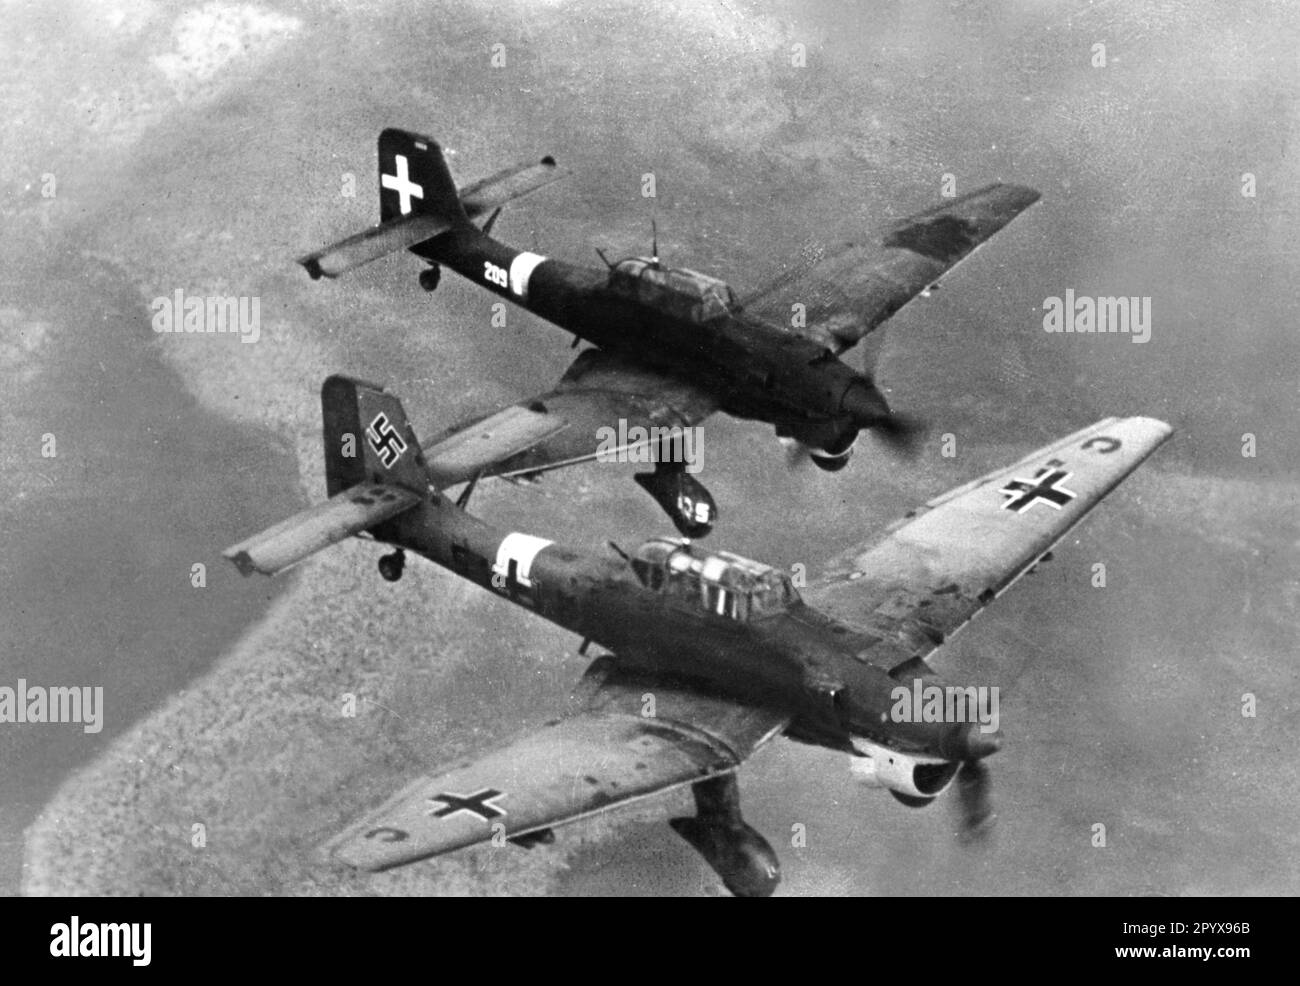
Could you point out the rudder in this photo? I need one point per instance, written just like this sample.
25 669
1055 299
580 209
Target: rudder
414 178
368 439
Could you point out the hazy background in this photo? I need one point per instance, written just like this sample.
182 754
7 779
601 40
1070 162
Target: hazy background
203 146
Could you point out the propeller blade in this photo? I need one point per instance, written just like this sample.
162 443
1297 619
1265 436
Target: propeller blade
974 785
866 407
797 453
903 433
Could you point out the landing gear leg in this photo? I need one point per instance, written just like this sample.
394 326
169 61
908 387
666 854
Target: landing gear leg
683 497
391 566
739 855
429 278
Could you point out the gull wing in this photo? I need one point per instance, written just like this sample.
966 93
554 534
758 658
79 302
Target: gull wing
851 289
945 562
609 753
567 425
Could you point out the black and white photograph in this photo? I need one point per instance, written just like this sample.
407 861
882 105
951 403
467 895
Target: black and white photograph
699 448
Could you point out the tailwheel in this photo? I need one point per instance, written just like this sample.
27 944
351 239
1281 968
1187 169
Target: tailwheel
429 278
391 566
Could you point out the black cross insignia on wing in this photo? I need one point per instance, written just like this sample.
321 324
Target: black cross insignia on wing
1022 494
385 440
479 803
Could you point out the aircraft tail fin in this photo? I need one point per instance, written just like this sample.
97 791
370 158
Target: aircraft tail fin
414 179
368 439
418 200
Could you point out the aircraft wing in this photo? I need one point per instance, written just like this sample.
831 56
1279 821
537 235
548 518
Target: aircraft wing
609 753
946 561
851 289
563 427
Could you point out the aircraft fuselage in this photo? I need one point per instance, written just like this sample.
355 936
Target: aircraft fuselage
778 377
798 660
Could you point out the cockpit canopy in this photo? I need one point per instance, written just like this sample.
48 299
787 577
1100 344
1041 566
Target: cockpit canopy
717 582
683 293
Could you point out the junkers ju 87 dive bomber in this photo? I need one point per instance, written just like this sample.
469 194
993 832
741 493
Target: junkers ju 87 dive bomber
733 653
671 346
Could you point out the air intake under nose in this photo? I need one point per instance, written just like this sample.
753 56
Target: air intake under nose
931 778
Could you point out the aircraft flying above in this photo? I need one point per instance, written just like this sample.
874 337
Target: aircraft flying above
672 346
730 650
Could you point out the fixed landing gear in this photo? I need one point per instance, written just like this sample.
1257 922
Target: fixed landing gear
683 497
391 566
739 855
429 278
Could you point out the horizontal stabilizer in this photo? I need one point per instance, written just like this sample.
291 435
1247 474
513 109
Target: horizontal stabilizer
388 237
471 450
482 197
431 206
356 509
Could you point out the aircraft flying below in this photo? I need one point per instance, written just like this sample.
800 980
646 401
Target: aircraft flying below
672 346
731 651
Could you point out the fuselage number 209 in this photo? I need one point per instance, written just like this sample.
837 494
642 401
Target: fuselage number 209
495 275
